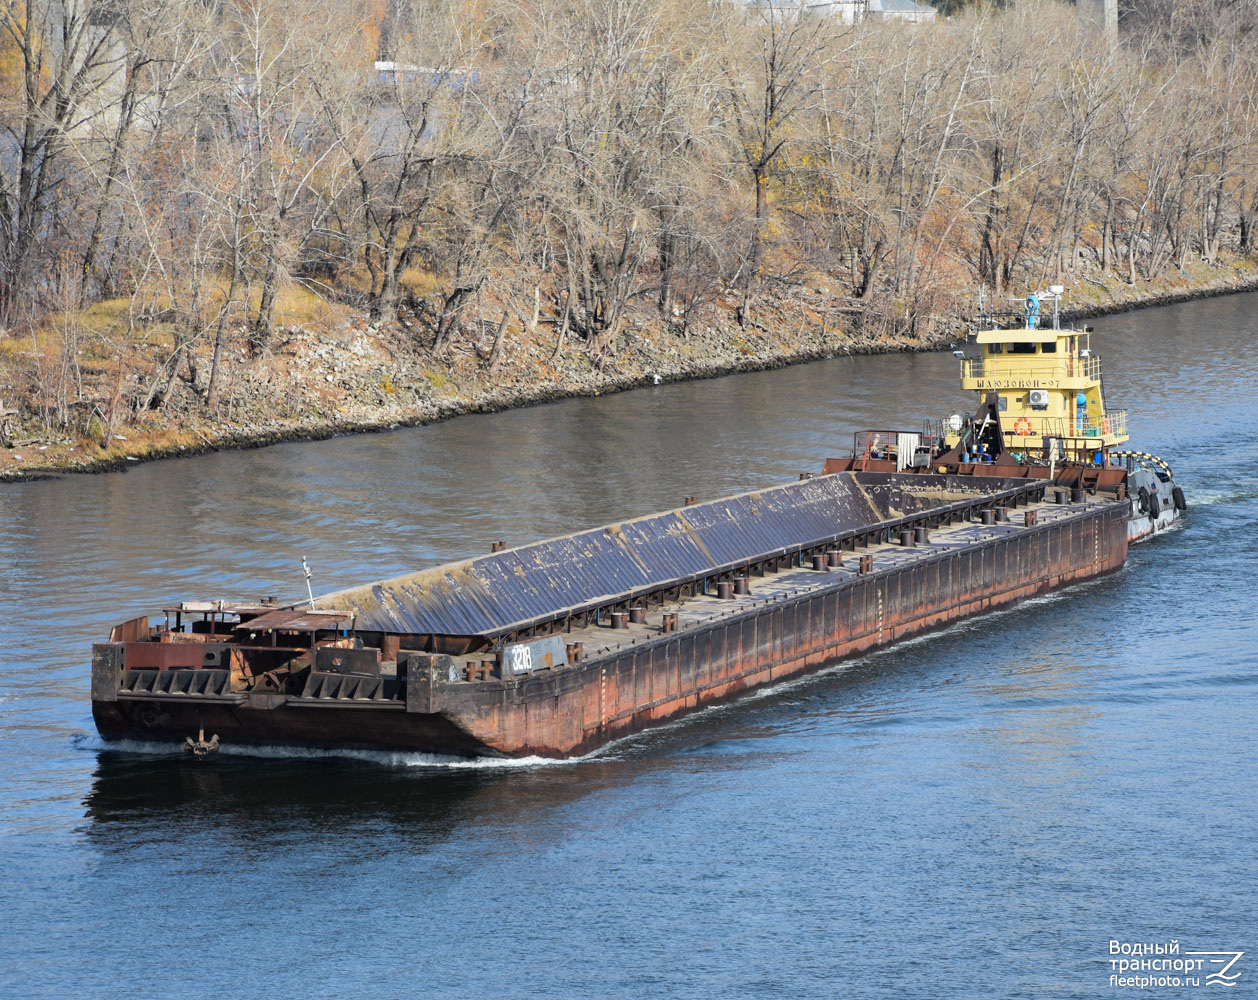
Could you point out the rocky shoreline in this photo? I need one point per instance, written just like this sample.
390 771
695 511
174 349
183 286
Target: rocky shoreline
355 379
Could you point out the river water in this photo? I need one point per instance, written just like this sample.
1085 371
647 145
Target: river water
978 813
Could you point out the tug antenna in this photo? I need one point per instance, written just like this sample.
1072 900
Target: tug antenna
306 570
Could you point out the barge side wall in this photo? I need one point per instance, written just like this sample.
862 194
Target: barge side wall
575 711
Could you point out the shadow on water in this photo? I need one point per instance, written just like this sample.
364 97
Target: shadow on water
262 800
129 786
281 795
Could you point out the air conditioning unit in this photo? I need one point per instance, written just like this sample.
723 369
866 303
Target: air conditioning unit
1039 399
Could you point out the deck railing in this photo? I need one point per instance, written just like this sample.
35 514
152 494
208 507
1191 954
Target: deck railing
1112 422
1021 368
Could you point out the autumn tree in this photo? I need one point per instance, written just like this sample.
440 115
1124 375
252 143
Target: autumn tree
775 56
62 68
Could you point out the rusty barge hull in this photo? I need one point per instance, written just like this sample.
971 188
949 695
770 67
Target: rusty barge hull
696 638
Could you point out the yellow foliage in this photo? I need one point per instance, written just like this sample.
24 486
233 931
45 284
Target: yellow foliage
373 18
12 63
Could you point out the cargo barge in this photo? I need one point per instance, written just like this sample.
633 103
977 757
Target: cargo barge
557 647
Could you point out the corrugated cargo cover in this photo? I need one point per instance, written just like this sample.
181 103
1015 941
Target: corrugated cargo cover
496 592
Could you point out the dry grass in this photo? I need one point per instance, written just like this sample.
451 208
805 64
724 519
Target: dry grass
420 283
12 348
103 326
107 317
299 305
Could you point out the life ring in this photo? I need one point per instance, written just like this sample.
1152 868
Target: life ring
1022 427
1105 425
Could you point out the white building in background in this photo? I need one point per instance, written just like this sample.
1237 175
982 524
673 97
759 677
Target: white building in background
901 10
845 11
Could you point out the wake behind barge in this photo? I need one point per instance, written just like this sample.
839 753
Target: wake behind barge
558 647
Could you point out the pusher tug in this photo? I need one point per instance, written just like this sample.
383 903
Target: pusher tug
557 647
1042 414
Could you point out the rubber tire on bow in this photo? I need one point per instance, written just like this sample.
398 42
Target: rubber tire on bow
1144 500
1178 496
1155 506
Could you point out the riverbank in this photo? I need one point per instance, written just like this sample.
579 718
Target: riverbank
344 376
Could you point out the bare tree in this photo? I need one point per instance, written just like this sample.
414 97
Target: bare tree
596 112
66 70
772 74
394 126
284 54
162 40
1007 130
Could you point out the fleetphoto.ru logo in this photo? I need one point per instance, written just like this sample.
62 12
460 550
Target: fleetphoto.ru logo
1144 966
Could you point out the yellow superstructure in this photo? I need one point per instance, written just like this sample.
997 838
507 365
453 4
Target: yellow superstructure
1049 386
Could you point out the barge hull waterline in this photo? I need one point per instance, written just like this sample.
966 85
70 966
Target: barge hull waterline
573 711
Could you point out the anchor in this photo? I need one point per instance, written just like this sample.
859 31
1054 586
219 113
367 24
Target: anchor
201 747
